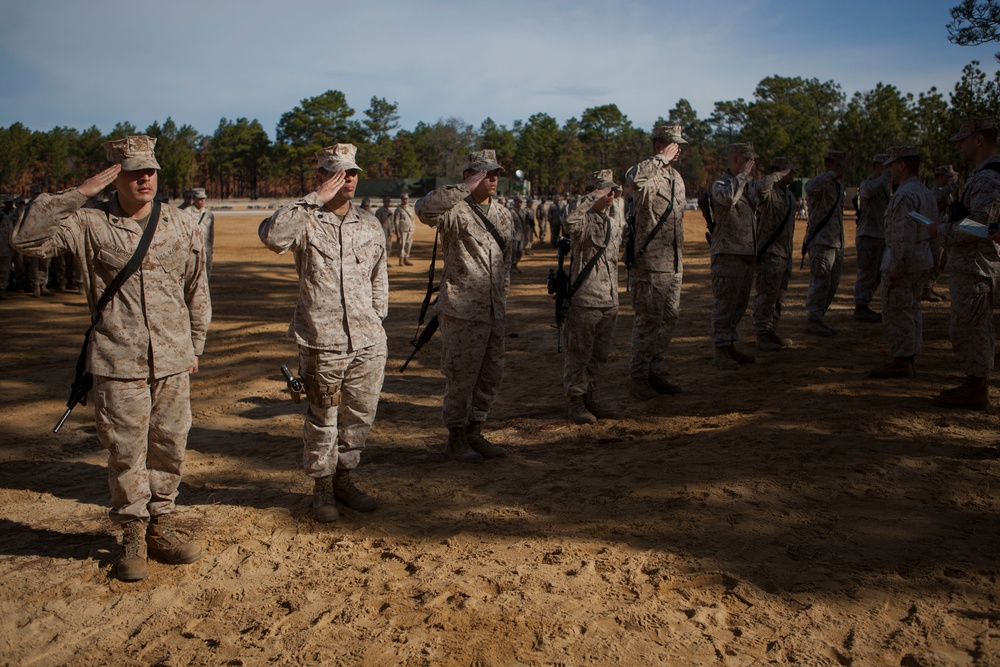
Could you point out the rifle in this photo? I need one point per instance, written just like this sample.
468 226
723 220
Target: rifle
82 384
420 338
705 204
295 386
629 257
558 285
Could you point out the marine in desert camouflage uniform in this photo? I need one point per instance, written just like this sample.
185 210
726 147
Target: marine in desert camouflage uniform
906 264
734 253
776 206
205 220
944 190
869 239
472 303
974 266
403 225
343 297
658 194
384 215
824 240
146 343
594 227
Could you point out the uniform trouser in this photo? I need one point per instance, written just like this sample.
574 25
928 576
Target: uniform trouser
144 426
940 254
517 251
656 301
38 271
6 262
870 251
405 243
771 282
529 235
62 270
901 316
343 390
543 229
732 280
825 265
589 333
472 365
554 231
388 241
973 299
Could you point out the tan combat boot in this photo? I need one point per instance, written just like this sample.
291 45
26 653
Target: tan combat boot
661 385
324 504
973 394
765 344
350 495
458 448
164 545
641 389
479 444
578 413
723 360
132 563
598 410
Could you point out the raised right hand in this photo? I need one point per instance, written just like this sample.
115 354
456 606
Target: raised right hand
93 185
670 152
474 179
331 186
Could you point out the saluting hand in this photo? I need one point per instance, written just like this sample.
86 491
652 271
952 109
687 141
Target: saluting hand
329 188
93 185
670 152
747 167
474 179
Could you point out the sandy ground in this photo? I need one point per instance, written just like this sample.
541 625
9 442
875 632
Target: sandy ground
792 512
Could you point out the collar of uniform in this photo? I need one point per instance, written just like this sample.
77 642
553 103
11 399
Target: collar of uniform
326 215
992 158
118 218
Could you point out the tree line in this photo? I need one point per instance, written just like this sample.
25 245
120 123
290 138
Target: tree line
789 116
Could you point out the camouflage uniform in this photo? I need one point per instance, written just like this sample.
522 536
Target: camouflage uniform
557 211
542 220
6 251
733 252
145 343
517 235
974 275
826 247
593 311
905 267
873 196
206 220
944 196
774 266
384 215
472 302
402 224
657 275
337 323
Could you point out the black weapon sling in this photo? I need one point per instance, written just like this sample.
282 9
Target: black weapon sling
589 266
774 236
83 381
659 223
822 224
487 224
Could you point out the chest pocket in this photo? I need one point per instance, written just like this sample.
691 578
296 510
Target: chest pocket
173 259
325 243
113 258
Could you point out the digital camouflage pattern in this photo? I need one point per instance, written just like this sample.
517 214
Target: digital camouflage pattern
774 267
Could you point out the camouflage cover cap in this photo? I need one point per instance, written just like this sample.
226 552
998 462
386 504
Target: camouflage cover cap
880 158
338 157
199 193
898 152
970 125
132 153
668 133
836 156
484 160
744 149
602 178
782 163
945 170
404 196
366 201
188 194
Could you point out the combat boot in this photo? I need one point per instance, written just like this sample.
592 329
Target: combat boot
132 563
723 360
164 545
864 313
350 495
661 385
479 444
899 367
973 394
458 448
779 339
577 412
765 344
641 389
324 503
407 262
817 328
596 409
930 295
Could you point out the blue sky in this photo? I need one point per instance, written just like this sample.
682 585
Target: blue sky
98 62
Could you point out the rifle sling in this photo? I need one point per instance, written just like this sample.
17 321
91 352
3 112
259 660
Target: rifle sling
487 224
659 223
823 223
589 266
774 236
113 287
